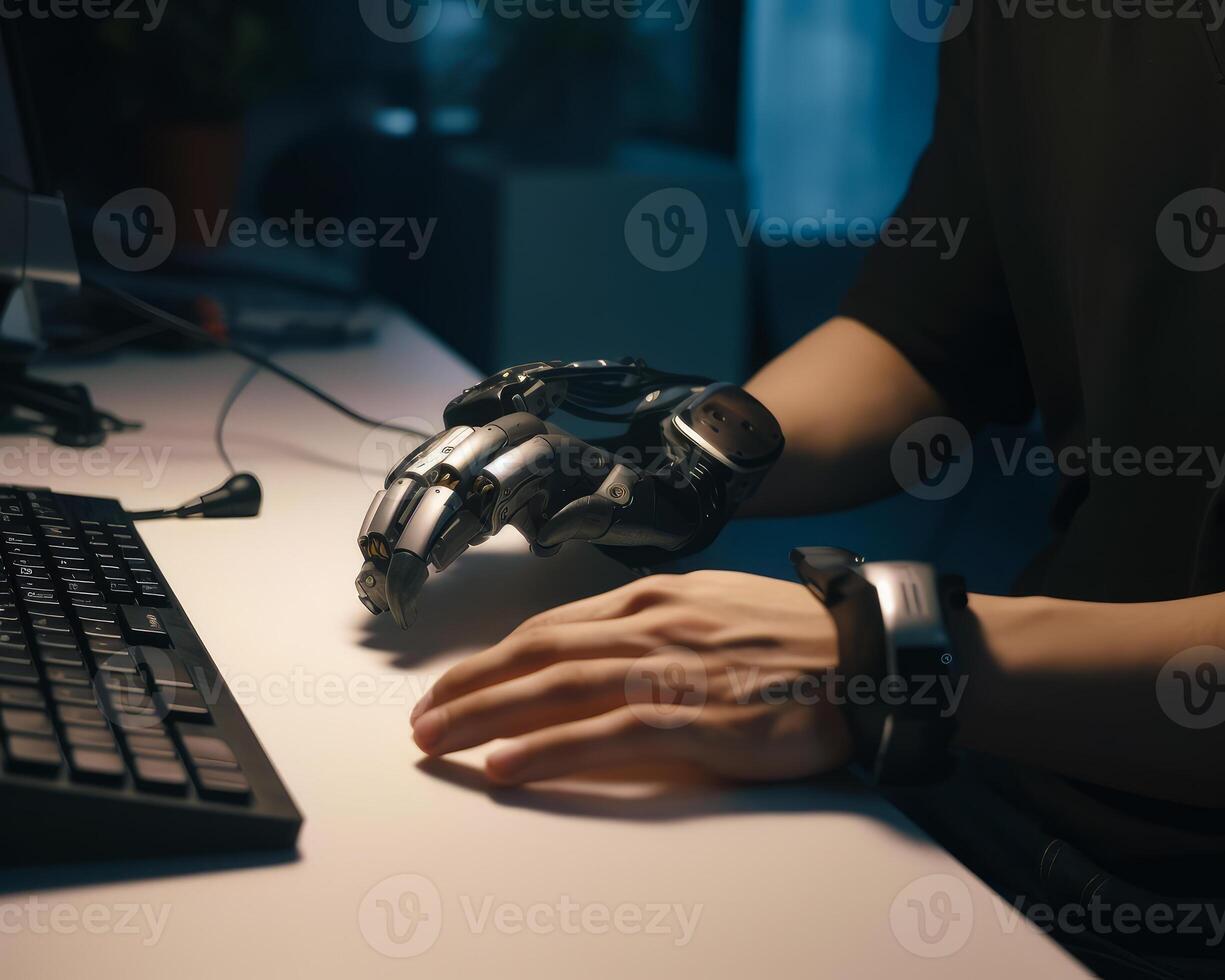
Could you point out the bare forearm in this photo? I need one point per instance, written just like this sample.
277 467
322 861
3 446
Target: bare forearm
843 394
1078 688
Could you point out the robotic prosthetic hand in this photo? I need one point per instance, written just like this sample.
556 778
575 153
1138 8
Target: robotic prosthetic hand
691 454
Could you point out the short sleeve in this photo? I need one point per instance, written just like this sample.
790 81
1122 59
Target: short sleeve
947 307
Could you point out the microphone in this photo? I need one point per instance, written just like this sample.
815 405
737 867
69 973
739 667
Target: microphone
239 496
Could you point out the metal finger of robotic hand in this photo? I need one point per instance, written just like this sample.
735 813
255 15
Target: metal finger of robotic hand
692 453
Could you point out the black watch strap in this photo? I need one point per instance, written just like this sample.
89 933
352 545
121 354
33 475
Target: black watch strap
899 672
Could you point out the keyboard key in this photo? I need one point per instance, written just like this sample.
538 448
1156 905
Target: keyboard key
26 722
14 673
53 657
184 704
204 749
73 676
119 662
82 575
96 614
90 716
120 592
40 595
154 746
131 700
21 697
97 738
136 724
64 642
51 622
128 684
165 669
29 753
84 589
144 625
109 631
160 775
223 785
76 697
101 645
97 766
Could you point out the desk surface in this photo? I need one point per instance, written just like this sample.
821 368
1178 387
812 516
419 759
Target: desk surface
598 878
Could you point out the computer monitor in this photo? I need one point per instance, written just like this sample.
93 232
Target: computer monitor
35 238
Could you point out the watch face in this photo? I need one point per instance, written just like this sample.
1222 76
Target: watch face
909 596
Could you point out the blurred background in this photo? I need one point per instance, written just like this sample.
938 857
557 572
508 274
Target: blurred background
515 149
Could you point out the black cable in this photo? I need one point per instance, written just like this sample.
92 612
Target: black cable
230 400
139 307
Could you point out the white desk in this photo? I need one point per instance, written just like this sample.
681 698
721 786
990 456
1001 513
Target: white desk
784 881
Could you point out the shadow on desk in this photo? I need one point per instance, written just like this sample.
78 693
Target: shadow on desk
18 880
486 594
660 794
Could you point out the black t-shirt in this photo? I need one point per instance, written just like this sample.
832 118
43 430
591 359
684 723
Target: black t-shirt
1088 157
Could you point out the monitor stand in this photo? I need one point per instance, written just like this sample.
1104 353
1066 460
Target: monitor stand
63 413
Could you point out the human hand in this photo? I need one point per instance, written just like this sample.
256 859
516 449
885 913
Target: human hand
702 668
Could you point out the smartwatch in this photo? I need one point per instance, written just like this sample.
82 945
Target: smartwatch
899 675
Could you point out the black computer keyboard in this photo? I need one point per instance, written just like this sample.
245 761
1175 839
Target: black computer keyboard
118 737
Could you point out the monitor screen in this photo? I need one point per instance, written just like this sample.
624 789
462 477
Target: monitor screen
15 166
